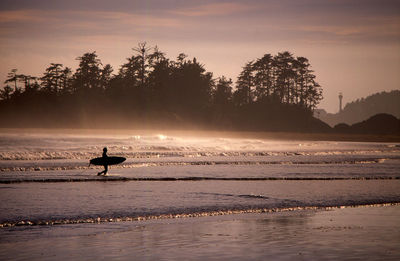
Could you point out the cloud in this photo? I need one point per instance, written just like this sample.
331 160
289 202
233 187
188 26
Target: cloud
45 24
127 18
76 17
22 16
214 9
362 29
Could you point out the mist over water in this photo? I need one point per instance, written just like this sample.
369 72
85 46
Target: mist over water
30 146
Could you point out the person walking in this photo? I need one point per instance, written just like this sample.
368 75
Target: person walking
105 165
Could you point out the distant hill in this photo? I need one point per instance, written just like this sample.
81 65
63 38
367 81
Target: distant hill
378 124
362 109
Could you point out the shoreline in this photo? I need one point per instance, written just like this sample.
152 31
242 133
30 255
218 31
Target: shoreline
366 233
100 220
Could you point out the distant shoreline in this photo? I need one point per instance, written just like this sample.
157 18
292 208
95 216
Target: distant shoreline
212 133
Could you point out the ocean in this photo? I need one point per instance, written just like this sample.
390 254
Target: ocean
46 182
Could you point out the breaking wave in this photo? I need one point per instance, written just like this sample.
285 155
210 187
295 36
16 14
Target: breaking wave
137 163
57 146
162 152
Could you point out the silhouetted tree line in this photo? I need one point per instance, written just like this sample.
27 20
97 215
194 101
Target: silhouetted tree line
271 93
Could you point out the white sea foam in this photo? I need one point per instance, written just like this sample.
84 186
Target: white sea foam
39 147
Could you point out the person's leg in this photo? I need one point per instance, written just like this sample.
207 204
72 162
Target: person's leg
104 171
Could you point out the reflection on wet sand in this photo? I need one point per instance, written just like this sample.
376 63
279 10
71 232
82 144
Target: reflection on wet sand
363 233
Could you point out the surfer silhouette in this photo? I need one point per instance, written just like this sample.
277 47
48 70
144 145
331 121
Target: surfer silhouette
105 165
106 161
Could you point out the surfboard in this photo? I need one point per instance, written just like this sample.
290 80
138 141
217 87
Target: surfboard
107 161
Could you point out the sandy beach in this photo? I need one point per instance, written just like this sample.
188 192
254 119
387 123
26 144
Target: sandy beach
55 207
361 233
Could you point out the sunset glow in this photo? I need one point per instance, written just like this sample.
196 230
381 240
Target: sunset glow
353 46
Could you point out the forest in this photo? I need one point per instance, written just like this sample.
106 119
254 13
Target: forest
274 92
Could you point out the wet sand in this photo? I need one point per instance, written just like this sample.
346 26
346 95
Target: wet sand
361 233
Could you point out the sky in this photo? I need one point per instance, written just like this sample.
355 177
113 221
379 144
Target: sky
353 45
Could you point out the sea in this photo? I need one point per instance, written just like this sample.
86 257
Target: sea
46 180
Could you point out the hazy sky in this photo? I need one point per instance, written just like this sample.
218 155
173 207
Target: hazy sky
353 45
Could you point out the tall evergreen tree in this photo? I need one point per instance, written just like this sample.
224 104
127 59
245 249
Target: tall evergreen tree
263 76
88 75
284 76
52 78
142 50
12 77
245 85
160 85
